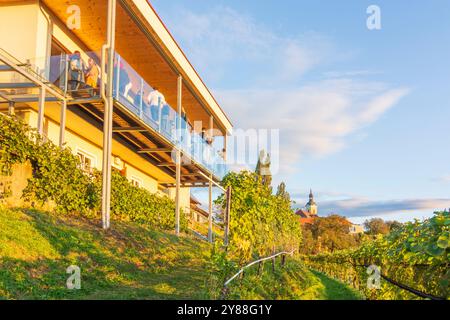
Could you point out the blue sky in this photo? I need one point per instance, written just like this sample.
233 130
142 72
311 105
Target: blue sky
363 115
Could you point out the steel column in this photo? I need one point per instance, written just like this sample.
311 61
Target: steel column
227 216
210 231
178 156
11 108
40 122
62 123
107 121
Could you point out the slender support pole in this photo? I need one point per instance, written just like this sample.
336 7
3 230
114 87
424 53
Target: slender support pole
40 123
11 108
118 79
62 123
177 193
211 129
178 156
227 216
62 117
107 121
141 110
159 115
210 231
225 149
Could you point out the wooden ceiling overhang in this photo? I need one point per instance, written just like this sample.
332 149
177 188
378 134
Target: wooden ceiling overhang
142 48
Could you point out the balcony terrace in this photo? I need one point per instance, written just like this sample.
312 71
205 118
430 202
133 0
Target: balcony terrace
125 52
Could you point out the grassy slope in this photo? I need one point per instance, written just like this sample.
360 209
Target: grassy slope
129 262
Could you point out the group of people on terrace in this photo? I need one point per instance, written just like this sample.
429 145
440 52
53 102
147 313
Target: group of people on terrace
81 75
150 104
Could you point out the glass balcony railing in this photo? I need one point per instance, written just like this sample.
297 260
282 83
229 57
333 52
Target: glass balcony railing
133 92
79 76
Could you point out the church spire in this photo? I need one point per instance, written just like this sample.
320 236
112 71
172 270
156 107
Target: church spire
311 206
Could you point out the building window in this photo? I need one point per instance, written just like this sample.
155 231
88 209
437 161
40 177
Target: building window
87 161
136 182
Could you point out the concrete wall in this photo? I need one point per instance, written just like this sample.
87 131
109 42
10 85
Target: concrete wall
12 186
24 33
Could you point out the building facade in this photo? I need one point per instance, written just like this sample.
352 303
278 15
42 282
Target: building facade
86 74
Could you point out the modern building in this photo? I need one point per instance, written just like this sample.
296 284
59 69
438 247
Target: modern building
107 79
309 212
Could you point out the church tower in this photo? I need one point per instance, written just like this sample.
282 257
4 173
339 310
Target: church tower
311 206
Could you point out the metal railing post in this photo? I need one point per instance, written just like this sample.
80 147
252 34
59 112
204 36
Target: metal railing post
210 207
62 123
117 74
159 115
227 216
141 111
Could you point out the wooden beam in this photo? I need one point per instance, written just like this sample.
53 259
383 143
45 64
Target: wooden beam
190 175
185 185
166 164
129 129
155 150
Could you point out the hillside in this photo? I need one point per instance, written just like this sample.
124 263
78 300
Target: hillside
129 262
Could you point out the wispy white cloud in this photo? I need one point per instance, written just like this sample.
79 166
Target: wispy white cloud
350 74
221 36
362 207
315 118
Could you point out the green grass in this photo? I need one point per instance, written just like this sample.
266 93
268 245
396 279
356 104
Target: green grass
128 262
131 261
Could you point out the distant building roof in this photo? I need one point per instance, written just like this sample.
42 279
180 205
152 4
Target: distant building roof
304 213
194 200
305 216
